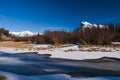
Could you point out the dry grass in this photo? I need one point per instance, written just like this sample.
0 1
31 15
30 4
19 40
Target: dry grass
89 48
26 45
102 48
70 50
58 46
17 45
3 77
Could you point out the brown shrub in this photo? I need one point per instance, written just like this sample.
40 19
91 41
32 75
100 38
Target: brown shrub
3 77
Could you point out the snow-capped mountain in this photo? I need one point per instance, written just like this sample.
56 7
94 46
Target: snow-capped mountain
24 33
89 25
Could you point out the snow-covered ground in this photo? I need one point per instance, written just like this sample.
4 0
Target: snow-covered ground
70 52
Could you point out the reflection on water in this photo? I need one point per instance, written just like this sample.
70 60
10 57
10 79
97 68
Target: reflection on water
36 64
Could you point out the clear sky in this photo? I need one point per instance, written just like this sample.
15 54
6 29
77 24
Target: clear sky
41 15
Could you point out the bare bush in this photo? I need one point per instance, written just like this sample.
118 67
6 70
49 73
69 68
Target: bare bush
3 77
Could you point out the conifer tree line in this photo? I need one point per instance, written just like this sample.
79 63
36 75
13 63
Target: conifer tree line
93 35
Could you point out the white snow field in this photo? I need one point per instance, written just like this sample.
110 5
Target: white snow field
70 52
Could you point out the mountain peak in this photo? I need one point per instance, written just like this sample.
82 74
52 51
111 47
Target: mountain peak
86 24
25 33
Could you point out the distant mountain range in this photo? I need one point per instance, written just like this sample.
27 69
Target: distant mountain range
89 25
29 33
23 33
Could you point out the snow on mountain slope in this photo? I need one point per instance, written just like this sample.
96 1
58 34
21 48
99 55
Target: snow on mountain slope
89 25
86 24
26 33
23 33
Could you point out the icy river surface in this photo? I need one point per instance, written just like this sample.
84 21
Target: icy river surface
33 64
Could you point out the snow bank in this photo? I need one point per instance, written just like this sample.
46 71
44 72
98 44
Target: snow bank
74 54
77 55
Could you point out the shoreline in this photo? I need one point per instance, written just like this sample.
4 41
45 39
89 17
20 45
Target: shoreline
65 51
60 53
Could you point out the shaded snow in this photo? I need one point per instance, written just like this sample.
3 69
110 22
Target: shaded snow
9 60
12 76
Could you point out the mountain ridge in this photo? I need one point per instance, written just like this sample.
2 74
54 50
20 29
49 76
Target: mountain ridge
25 33
28 33
86 24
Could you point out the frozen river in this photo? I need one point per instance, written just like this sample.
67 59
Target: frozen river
33 64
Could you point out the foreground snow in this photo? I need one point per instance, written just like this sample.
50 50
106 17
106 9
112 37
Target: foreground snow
12 76
64 52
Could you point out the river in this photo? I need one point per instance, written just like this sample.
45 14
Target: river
33 64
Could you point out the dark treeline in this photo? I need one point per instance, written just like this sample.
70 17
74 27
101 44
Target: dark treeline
93 35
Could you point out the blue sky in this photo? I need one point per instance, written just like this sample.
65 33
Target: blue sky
41 15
